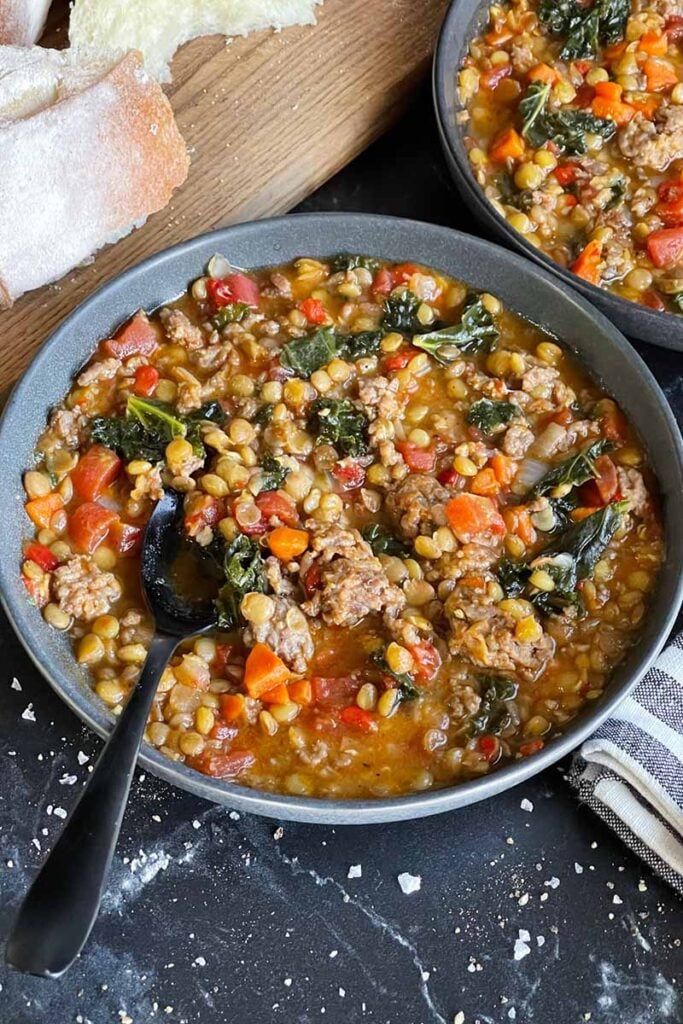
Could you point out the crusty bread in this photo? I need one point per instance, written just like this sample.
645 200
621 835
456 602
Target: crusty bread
86 154
107 28
21 21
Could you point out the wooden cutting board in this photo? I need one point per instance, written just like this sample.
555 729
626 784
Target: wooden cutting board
267 119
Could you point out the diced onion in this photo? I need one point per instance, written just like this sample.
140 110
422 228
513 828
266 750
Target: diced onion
547 442
528 474
220 267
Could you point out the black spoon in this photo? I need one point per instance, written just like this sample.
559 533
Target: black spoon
60 908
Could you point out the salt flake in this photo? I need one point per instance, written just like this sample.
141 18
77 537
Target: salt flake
409 883
527 805
15 684
28 714
355 871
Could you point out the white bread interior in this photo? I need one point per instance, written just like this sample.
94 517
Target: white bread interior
107 28
86 154
21 21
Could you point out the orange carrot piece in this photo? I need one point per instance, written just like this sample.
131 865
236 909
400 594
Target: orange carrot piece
263 670
654 43
587 266
543 73
232 706
615 51
41 510
504 468
660 74
276 695
608 104
286 543
646 105
301 691
578 514
509 145
485 483
470 514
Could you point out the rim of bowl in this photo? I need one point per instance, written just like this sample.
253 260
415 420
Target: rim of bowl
289 237
650 325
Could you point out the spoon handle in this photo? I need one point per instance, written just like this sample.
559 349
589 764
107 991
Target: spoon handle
60 908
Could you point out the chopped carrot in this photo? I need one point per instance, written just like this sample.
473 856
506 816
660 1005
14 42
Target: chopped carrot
610 90
263 670
504 467
615 51
232 706
518 521
654 44
358 718
660 74
41 510
609 105
471 514
578 514
485 483
301 691
646 105
286 543
587 266
276 695
490 79
476 582
509 145
499 36
543 73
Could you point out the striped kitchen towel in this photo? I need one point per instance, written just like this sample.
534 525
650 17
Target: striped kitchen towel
630 771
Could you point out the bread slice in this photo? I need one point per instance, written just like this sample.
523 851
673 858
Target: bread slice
158 27
86 154
21 21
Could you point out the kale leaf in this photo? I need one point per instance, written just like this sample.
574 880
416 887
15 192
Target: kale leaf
308 354
493 716
488 415
512 576
263 414
244 574
384 543
148 426
230 314
273 473
574 471
618 190
400 313
476 331
566 129
349 261
338 422
210 412
584 28
354 346
405 684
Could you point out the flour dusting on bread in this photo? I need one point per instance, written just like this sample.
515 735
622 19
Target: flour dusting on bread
158 27
21 21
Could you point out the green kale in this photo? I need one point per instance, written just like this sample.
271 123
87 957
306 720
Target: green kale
400 313
493 716
211 412
148 426
273 473
405 684
566 129
230 314
384 543
489 415
338 422
263 414
574 471
355 346
244 574
476 332
618 190
585 28
677 302
306 355
512 576
349 261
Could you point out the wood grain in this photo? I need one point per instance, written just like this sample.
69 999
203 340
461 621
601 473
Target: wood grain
267 120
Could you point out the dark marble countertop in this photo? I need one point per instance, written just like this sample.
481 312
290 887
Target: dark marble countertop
222 918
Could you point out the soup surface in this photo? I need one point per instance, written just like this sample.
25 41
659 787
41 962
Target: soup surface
574 124
434 537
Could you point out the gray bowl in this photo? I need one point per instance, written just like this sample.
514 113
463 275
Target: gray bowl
465 20
522 286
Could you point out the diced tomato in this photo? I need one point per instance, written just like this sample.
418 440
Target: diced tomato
222 658
665 247
42 556
563 417
334 690
653 301
490 79
489 746
126 538
95 471
532 747
358 718
312 580
89 524
404 271
137 338
426 658
223 730
276 505
614 425
223 766
670 206
146 380
565 174
233 288
349 473
670 191
448 477
674 28
37 591
418 460
399 360
585 95
203 510
607 481
383 282
314 311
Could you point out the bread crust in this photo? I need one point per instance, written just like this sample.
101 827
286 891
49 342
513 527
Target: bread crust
21 21
82 172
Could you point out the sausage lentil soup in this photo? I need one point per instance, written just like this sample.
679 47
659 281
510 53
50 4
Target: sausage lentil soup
573 118
434 536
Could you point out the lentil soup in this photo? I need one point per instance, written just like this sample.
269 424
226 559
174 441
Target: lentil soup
432 535
573 119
